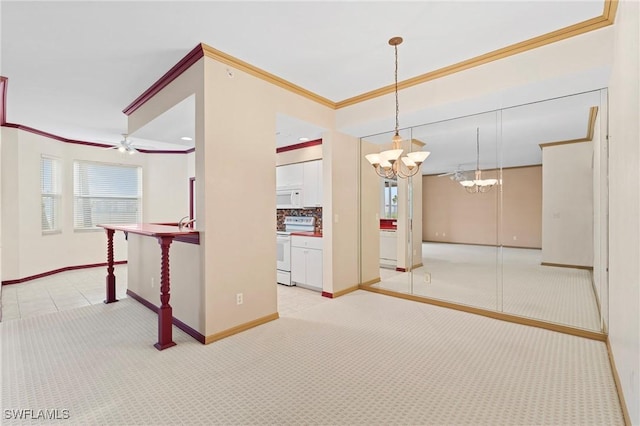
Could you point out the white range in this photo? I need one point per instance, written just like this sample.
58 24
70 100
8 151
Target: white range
283 239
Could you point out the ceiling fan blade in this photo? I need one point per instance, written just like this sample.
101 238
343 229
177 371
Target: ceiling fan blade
447 174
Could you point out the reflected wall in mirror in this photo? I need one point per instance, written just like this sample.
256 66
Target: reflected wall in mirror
534 245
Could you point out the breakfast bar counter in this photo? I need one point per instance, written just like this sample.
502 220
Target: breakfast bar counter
165 234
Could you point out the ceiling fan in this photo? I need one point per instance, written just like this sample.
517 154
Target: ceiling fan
457 175
125 145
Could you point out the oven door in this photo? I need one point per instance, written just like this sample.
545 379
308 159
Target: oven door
284 253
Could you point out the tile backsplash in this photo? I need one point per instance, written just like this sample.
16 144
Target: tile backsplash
315 212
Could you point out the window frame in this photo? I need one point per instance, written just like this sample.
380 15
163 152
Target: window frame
55 195
76 196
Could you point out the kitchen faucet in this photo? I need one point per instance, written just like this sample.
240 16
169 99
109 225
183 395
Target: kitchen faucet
182 224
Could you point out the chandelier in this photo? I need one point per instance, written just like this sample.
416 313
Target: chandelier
386 163
478 184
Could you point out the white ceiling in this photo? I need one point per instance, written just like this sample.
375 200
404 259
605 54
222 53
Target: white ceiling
74 66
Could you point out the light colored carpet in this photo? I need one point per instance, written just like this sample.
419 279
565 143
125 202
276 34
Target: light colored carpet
360 359
472 275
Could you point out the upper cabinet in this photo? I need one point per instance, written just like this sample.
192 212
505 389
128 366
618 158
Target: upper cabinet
305 179
312 184
289 176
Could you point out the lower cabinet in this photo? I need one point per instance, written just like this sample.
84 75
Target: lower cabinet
388 248
306 262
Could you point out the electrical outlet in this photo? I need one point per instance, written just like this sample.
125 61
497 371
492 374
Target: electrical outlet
153 282
515 237
444 234
436 234
239 299
427 277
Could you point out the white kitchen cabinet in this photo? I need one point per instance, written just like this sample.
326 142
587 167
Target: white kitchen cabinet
388 248
312 184
306 262
289 176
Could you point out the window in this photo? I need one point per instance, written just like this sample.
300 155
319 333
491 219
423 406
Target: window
105 193
50 194
390 197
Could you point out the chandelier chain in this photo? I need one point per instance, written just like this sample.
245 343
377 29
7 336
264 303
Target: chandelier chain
396 88
478 148
390 163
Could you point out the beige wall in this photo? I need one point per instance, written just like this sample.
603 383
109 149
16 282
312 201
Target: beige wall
340 212
567 204
369 216
144 277
26 251
239 251
522 207
235 127
299 155
624 208
452 215
416 215
459 217
600 210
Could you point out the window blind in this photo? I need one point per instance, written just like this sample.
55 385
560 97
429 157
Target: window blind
50 193
105 193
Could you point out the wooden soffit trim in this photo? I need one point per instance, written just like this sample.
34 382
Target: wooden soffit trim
593 113
3 100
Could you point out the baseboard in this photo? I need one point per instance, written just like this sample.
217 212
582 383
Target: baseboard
340 293
57 271
616 379
597 299
483 244
492 314
370 282
563 265
175 321
240 328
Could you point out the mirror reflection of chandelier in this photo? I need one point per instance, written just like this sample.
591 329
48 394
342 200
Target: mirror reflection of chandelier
386 163
478 184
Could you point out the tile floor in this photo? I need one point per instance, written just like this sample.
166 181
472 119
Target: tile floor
84 287
59 292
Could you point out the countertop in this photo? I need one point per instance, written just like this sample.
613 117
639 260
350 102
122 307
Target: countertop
187 235
307 234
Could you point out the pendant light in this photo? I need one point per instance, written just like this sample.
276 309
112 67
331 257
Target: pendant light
386 163
478 185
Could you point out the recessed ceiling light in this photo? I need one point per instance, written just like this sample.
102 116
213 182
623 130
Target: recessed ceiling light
186 138
303 139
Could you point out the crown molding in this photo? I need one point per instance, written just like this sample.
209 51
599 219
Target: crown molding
607 18
185 63
604 20
591 124
241 65
299 146
87 143
3 100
